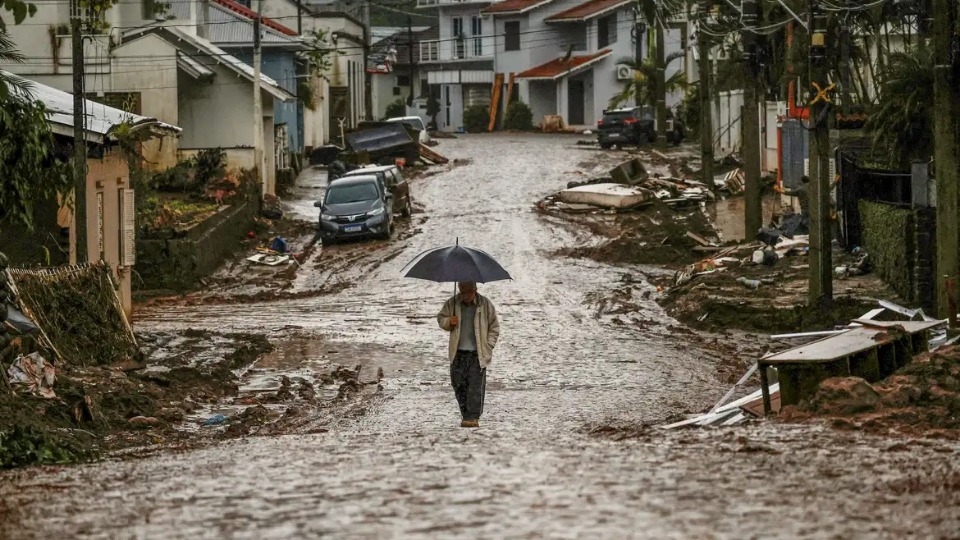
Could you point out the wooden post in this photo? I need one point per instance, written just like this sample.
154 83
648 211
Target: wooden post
752 95
946 103
951 286
765 389
706 104
818 196
78 229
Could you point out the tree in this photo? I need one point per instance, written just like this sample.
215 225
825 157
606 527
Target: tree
642 87
902 125
30 171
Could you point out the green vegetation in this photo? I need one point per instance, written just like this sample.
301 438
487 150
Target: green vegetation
476 119
518 117
396 108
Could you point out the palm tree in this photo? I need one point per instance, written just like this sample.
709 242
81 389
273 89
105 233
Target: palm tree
902 125
642 88
10 55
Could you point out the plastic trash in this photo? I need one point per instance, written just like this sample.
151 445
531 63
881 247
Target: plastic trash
215 420
749 283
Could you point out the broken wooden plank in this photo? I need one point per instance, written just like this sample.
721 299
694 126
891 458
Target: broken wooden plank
427 153
699 239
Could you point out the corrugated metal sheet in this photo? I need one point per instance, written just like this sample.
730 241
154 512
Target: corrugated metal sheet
100 119
192 67
229 28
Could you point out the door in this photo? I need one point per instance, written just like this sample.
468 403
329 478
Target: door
459 47
575 105
339 111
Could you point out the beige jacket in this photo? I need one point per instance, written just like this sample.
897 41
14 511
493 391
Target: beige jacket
486 324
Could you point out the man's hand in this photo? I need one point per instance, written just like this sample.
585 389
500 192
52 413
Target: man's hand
453 321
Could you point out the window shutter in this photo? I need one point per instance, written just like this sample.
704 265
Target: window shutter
128 234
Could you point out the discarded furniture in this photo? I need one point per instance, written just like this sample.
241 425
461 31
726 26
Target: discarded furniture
384 141
606 195
872 351
629 172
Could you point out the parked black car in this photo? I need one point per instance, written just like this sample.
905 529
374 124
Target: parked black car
633 125
356 207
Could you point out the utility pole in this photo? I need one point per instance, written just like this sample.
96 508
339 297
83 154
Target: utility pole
638 29
258 137
299 18
78 230
412 68
821 109
367 76
946 103
753 208
661 30
706 91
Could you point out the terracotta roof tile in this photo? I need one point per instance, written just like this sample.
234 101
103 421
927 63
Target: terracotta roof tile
557 68
508 7
251 14
588 10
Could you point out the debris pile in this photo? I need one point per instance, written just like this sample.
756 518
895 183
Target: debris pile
920 398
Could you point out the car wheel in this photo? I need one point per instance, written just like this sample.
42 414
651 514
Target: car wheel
407 209
388 234
606 145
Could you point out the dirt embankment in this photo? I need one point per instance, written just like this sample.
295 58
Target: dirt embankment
654 235
922 398
102 409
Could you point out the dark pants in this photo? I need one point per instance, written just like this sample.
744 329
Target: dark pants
469 384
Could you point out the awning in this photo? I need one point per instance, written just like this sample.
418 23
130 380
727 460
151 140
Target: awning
563 67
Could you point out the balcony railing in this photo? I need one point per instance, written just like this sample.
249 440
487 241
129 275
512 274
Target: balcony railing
457 49
434 3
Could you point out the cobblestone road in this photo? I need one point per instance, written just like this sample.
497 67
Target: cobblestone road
532 471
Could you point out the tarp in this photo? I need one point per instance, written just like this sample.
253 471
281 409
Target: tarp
35 372
386 139
20 322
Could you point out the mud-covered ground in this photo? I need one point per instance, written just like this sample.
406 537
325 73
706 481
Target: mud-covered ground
587 362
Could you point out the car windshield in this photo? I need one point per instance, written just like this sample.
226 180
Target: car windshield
352 193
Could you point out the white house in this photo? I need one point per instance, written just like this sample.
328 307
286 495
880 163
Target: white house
460 59
163 69
340 96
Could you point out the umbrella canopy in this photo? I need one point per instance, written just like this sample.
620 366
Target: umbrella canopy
455 263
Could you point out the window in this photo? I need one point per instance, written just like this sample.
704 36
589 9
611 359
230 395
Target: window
477 32
396 90
403 80
512 33
457 27
606 31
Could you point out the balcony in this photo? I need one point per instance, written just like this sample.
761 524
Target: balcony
465 49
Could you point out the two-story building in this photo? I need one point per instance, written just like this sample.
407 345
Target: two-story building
460 60
564 54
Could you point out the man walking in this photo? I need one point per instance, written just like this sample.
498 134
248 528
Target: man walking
474 329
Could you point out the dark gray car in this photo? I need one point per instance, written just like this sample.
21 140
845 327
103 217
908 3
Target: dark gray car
356 207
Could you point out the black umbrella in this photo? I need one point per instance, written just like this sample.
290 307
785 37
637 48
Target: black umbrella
455 263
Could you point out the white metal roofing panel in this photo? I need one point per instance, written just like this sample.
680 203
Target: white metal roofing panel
100 119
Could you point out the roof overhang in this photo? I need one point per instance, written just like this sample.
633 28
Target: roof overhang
199 47
559 18
515 12
566 73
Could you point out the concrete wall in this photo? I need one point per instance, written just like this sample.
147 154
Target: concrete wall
105 177
281 67
148 66
178 263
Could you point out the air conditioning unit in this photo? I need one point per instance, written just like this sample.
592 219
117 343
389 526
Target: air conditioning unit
624 73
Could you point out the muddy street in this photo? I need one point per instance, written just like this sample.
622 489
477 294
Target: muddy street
565 449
